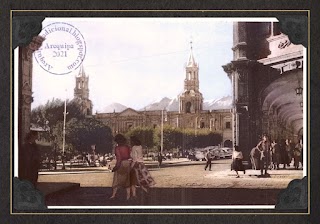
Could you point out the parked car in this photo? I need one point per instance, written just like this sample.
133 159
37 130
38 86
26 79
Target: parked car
227 152
216 153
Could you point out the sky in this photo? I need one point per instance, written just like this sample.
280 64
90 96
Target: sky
136 61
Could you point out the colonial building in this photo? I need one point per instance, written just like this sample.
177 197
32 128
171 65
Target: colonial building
190 113
267 80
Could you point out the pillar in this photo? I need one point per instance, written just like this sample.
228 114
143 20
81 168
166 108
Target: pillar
25 87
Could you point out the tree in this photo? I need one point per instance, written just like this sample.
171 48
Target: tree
144 134
49 115
81 134
174 138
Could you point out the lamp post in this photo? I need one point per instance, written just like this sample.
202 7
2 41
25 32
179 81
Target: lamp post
64 132
163 117
161 140
299 90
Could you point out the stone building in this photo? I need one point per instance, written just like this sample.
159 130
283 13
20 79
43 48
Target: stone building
267 81
190 113
81 92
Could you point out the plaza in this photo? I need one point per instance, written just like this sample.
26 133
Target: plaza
178 182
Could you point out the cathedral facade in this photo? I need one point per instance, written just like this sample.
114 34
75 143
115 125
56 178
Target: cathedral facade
189 115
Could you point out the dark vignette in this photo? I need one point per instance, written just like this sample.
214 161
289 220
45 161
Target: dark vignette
148 218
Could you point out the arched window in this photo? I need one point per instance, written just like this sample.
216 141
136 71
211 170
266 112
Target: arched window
188 107
202 125
227 143
189 75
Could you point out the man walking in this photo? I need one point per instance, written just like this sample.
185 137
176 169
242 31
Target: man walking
209 159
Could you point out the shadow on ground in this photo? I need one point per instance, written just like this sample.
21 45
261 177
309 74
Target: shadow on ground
99 196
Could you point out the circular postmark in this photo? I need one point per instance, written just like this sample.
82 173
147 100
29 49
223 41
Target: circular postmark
63 49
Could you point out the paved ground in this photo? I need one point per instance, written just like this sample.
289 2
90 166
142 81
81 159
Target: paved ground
177 183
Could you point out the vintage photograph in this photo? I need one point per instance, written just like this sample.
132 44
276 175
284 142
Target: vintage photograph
154 113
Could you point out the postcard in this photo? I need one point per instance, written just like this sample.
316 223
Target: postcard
150 115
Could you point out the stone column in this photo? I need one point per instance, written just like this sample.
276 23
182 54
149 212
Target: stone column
239 41
25 86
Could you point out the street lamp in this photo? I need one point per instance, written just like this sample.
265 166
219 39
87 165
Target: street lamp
161 140
299 90
64 131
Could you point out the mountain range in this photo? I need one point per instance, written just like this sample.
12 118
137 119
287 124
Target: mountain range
173 105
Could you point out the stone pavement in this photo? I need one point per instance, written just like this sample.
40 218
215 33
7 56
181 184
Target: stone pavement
217 187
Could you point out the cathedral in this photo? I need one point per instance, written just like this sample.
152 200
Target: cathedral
81 92
189 115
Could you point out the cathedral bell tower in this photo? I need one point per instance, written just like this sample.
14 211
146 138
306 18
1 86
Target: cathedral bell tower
81 92
191 100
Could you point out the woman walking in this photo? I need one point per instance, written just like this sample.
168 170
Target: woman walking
139 175
122 168
237 161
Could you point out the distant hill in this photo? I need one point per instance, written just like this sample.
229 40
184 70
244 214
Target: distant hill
173 105
158 105
218 104
114 107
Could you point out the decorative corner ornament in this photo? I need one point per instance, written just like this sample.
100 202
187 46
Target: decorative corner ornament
26 197
24 28
295 27
295 196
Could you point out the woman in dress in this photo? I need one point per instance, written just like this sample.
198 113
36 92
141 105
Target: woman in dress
237 161
139 175
122 168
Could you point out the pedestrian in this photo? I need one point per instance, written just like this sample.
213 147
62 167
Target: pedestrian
276 154
283 153
122 168
237 157
297 152
139 174
29 159
255 155
264 148
208 157
289 150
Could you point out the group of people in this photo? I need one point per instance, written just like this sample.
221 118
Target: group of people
271 154
129 170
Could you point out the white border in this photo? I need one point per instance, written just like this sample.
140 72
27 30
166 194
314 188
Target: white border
267 19
15 110
305 108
